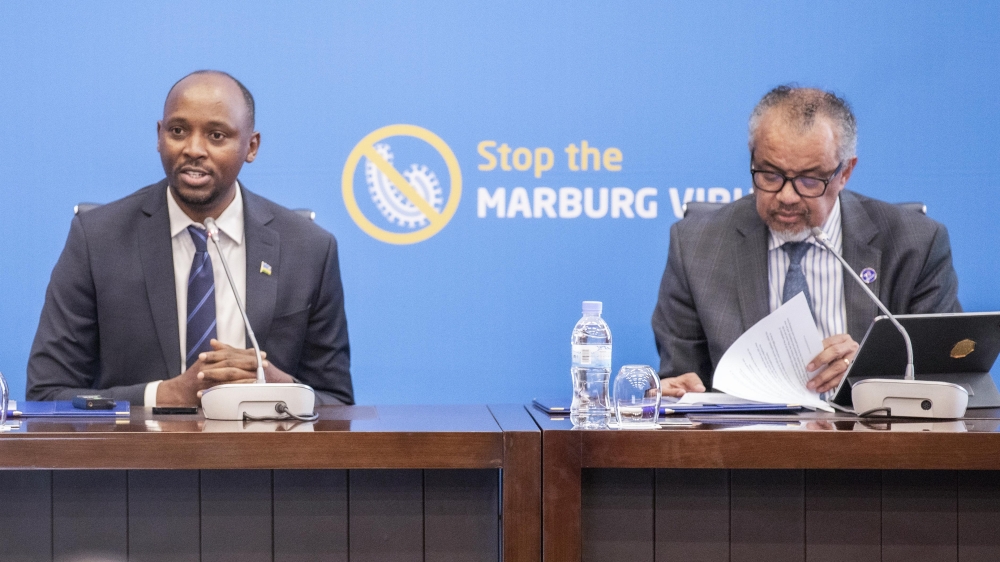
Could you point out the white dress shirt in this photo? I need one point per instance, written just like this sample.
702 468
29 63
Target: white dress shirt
229 322
823 272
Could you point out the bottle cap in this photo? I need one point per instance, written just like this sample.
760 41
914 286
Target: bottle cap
592 306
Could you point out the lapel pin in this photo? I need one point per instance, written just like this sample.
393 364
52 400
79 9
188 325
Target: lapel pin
868 275
265 268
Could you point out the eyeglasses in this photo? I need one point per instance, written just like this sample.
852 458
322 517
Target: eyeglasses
805 186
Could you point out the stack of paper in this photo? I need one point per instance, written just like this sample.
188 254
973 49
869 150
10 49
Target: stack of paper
768 362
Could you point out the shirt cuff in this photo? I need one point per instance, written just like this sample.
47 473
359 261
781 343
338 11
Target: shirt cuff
149 398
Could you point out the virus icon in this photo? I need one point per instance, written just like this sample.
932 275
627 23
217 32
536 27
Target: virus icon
395 206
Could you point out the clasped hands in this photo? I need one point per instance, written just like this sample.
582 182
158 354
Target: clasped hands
223 365
838 352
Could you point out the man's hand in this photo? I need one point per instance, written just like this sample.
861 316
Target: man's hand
838 352
678 386
274 374
226 364
183 390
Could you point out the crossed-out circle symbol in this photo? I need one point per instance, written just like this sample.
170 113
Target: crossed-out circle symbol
436 221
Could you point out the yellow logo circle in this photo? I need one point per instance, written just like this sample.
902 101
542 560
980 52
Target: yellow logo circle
435 220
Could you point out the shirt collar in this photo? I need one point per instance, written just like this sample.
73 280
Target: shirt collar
776 239
230 222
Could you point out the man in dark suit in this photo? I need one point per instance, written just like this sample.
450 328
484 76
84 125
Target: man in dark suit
110 322
728 269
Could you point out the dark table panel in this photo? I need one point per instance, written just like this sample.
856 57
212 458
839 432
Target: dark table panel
27 528
522 483
89 515
164 515
364 482
310 515
773 487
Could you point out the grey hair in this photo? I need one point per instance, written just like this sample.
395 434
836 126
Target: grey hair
800 107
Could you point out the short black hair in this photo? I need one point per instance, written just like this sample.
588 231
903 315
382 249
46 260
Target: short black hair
247 96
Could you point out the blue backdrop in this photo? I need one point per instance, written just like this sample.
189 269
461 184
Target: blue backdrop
483 309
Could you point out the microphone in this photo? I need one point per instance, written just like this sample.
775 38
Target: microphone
213 233
910 397
820 237
262 400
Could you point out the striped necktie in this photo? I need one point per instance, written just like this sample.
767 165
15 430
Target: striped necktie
201 298
795 279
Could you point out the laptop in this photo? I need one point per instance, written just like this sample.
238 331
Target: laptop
959 348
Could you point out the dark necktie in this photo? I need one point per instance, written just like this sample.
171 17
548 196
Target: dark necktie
795 279
201 298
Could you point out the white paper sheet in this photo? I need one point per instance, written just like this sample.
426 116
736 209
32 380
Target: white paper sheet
768 362
691 398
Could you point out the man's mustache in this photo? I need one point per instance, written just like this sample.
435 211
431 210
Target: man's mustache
803 210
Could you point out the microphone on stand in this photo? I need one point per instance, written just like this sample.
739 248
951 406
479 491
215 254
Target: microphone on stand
260 401
909 397
213 233
820 237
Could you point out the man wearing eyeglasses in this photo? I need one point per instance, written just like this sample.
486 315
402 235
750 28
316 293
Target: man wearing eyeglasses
728 269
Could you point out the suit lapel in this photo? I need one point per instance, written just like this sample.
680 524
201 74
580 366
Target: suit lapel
859 233
262 248
751 257
157 257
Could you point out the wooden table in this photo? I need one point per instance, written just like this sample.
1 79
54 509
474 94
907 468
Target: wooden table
785 488
363 482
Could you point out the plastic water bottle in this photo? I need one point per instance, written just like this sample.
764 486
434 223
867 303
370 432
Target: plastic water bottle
591 369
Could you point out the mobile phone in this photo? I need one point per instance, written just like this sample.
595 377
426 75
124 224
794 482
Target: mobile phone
93 402
160 410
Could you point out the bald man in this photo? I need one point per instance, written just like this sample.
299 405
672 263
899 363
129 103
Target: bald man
139 307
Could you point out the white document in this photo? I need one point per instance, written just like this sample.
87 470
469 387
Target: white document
692 398
768 362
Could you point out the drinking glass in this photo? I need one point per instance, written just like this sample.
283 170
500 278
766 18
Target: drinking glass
4 398
637 397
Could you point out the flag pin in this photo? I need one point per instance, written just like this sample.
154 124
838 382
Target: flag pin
265 268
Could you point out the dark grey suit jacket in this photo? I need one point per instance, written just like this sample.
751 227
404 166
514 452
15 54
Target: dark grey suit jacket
715 285
109 322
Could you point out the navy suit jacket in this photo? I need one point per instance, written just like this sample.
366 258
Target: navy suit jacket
109 322
715 286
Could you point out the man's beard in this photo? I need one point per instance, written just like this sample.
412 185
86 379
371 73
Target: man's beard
788 232
199 200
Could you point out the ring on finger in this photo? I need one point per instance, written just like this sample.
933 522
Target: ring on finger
847 362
